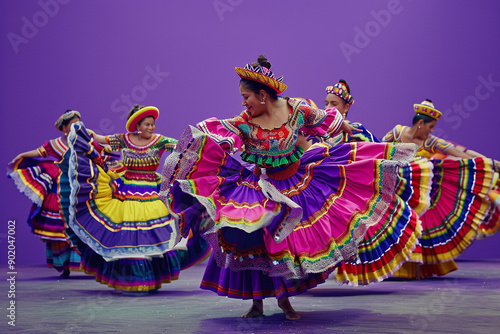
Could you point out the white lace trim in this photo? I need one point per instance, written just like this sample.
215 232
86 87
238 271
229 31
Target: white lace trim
24 189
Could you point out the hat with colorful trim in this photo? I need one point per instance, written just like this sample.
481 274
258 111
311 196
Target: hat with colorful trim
427 108
139 115
341 90
68 114
262 74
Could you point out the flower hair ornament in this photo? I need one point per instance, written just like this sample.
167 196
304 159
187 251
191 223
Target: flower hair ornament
340 89
263 75
68 114
427 108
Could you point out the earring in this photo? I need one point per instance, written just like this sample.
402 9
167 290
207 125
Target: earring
419 127
262 102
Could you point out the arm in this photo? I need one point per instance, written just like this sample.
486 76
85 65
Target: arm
317 122
393 135
224 132
28 154
114 142
42 152
348 128
454 152
99 138
167 143
303 142
435 145
475 154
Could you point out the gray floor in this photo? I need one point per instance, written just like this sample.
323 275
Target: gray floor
466 301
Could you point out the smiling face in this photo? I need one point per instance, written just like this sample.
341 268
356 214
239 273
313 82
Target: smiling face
251 101
334 101
146 127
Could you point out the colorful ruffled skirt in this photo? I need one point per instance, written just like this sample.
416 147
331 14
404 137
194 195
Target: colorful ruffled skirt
292 228
37 178
391 242
254 284
124 233
385 247
459 204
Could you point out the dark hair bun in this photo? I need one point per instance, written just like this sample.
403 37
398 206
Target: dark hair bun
135 109
262 61
429 100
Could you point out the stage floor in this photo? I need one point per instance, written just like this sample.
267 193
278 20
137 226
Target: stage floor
465 301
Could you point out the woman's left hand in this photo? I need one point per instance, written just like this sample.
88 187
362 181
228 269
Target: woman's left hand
19 156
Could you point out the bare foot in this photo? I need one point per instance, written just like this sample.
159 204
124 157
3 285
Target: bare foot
420 274
257 310
290 313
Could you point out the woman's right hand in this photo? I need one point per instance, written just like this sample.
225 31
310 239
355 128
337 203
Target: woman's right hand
496 166
346 127
28 154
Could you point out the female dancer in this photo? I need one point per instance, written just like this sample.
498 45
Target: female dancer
459 195
37 176
279 231
339 96
416 177
390 242
124 232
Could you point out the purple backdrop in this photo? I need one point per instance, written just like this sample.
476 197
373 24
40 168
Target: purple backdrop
101 57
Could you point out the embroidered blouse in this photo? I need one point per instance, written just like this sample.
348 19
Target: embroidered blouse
143 159
273 148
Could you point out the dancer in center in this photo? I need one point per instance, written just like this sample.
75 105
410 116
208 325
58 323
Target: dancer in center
280 230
